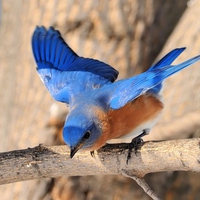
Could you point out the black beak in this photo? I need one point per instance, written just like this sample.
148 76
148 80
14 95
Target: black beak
75 149
73 152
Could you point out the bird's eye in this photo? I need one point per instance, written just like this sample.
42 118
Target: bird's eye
87 135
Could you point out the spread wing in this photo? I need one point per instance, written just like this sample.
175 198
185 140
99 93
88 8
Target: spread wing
149 81
62 71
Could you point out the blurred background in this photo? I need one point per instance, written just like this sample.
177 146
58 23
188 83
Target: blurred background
130 36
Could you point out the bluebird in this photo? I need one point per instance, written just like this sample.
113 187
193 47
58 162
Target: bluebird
101 110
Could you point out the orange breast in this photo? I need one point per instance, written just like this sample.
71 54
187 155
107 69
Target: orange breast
117 123
132 115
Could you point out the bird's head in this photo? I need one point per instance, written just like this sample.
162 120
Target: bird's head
82 130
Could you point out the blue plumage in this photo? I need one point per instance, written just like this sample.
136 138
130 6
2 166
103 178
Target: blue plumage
168 59
96 101
149 81
62 70
49 46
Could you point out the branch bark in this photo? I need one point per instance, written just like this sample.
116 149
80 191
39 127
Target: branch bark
143 184
48 162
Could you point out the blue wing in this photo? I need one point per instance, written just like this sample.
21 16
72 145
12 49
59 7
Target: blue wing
62 71
129 89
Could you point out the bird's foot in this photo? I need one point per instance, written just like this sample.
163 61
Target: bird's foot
92 154
136 144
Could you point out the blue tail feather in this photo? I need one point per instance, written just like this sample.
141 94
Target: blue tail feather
147 82
165 61
169 58
169 70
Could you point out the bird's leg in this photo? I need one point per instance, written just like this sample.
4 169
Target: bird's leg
92 153
136 144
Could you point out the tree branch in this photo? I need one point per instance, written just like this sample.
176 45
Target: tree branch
48 162
143 184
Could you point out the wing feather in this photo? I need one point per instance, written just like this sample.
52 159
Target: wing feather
56 62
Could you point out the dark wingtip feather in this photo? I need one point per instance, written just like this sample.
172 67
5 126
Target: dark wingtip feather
49 46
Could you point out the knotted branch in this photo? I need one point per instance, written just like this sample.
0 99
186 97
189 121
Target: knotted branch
48 162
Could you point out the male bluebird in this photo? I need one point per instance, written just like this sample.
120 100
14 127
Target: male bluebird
101 110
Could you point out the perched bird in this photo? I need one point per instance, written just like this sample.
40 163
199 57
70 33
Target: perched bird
101 110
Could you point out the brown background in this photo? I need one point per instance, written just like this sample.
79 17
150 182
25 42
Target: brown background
128 35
